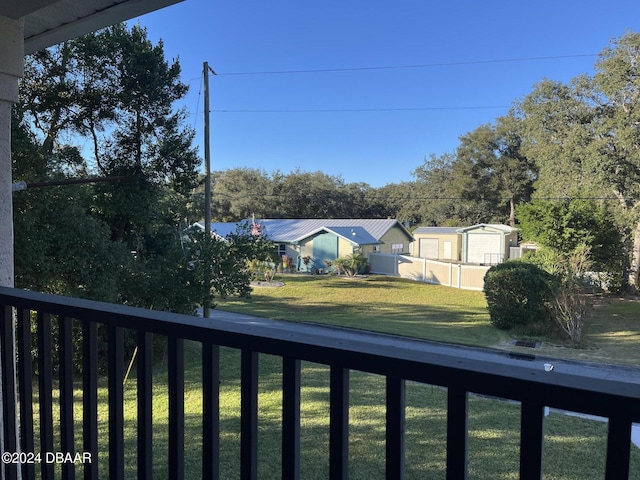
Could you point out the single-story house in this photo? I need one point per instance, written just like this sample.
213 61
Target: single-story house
485 244
328 239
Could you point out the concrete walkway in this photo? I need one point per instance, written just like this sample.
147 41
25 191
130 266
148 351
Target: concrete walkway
609 372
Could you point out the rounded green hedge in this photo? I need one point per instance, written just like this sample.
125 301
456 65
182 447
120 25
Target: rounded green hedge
517 294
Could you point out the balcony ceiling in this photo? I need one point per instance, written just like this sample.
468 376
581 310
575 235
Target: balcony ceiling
48 22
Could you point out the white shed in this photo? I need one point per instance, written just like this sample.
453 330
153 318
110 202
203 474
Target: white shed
487 244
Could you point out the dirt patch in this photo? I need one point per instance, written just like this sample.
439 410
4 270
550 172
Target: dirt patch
272 284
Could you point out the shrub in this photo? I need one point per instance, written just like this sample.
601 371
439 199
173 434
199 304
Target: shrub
569 309
517 294
262 270
570 304
351 265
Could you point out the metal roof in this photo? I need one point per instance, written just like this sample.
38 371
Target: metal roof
288 230
48 22
496 226
354 235
437 230
359 231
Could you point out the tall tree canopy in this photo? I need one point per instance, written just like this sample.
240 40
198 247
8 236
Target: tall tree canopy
240 193
482 182
584 136
118 241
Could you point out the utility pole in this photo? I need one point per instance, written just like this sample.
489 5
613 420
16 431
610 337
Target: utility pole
207 152
207 181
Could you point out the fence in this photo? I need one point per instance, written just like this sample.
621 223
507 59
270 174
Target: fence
466 277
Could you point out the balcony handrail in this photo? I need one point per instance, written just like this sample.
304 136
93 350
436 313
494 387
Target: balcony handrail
615 400
561 389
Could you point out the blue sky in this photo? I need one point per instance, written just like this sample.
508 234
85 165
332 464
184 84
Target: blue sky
364 123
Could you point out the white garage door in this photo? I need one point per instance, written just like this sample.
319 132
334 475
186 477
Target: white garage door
429 248
483 248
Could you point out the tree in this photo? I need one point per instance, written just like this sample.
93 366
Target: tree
402 201
312 195
149 144
437 204
584 138
116 89
481 183
239 193
514 171
69 254
556 137
569 226
491 172
570 307
221 266
473 178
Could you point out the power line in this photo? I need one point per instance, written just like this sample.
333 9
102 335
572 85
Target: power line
399 67
380 196
198 101
355 110
384 67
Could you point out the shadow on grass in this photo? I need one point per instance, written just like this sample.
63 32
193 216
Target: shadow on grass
343 282
466 326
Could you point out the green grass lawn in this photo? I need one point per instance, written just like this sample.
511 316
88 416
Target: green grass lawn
376 303
433 312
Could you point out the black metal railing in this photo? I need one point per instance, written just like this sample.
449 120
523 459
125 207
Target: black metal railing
619 402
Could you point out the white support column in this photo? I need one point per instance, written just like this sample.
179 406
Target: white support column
11 69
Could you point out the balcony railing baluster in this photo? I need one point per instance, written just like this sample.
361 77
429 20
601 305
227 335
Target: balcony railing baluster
249 415
65 331
45 389
338 423
8 389
395 416
531 439
291 370
115 369
90 397
210 411
25 380
144 362
618 447
457 421
176 407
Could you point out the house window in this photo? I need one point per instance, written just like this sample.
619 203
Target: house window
397 248
376 248
282 249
